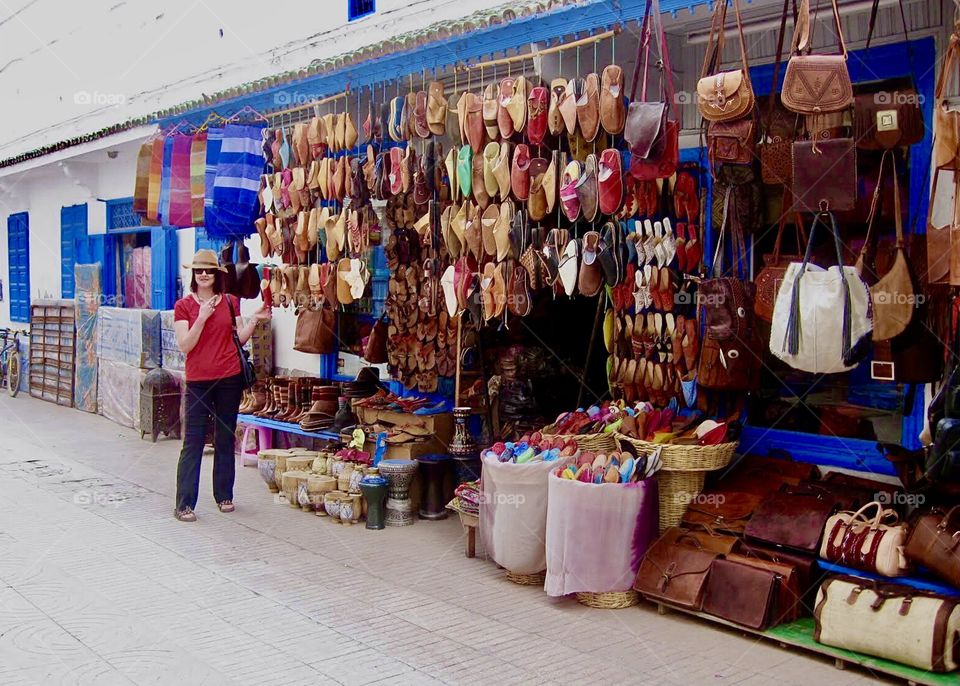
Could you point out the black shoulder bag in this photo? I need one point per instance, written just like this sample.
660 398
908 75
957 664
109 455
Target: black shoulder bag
247 371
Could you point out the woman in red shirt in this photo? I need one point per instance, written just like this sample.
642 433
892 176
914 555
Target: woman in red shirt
204 322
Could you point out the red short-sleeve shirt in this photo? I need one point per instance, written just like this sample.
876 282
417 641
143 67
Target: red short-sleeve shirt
215 355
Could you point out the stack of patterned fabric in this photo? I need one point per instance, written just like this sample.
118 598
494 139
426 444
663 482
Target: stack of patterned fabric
467 498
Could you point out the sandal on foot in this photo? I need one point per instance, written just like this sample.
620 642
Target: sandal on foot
185 515
226 506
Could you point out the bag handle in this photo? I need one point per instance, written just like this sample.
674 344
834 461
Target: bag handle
774 89
878 518
946 517
952 55
874 10
791 341
874 207
715 47
652 23
800 233
801 34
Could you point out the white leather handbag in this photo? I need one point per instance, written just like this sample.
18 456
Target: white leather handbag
821 317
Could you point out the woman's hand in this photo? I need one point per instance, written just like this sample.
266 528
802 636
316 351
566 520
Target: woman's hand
207 308
263 313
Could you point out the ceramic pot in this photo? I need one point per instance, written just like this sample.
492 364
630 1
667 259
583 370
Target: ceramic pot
374 489
433 472
356 476
343 478
462 443
319 464
300 463
334 467
331 503
281 468
399 474
295 487
267 467
398 512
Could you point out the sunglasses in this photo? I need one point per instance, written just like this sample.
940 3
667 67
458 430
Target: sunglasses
211 272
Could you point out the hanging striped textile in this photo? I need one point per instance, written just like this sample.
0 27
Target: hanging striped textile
214 139
198 169
163 210
180 214
238 177
142 184
156 176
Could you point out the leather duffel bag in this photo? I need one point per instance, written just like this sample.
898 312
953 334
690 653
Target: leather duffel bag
934 542
891 621
872 545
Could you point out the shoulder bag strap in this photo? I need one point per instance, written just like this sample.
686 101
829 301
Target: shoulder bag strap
716 267
874 10
743 43
774 85
871 216
643 54
712 56
233 327
667 88
802 34
800 233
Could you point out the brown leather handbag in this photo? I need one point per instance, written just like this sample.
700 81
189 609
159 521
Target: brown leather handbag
805 566
893 296
375 352
888 119
702 537
722 510
724 95
824 175
779 125
793 518
934 542
946 110
815 84
732 142
315 330
775 264
675 573
755 593
652 129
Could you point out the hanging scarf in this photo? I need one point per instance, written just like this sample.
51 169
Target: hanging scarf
214 139
142 185
156 175
198 168
163 210
237 183
180 214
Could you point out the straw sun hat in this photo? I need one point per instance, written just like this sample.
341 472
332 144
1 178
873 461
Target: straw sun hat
204 259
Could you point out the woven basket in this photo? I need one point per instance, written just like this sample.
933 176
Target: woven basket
527 579
677 490
612 600
687 458
595 443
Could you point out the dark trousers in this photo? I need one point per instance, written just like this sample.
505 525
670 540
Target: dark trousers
219 399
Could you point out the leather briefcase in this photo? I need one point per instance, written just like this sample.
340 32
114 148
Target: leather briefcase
702 537
824 175
675 573
741 593
891 621
793 518
934 542
808 576
722 510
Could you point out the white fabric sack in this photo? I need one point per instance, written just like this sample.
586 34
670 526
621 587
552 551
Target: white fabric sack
513 513
821 305
597 534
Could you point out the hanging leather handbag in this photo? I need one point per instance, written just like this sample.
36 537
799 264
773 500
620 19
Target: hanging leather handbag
870 545
652 129
892 621
887 120
730 354
815 84
745 206
824 175
779 125
821 318
775 265
946 110
315 330
934 542
375 351
675 573
724 95
943 228
731 142
892 297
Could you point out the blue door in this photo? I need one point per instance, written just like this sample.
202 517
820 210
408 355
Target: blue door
18 255
73 234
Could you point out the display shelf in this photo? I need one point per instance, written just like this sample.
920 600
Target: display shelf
286 427
799 634
919 583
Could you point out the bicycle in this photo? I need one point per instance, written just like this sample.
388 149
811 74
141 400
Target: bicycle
10 360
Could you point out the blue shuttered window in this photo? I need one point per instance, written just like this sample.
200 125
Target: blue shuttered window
73 233
360 8
18 256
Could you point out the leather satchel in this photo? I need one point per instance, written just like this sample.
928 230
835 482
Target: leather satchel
702 537
724 95
731 142
824 175
652 129
934 542
793 518
805 566
675 573
876 546
723 510
888 119
891 621
815 84
779 126
775 264
375 352
315 330
946 110
763 475
741 593
893 296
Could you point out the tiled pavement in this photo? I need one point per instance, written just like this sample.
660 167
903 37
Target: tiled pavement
100 585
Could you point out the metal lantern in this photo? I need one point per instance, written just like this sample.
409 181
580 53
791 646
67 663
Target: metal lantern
159 405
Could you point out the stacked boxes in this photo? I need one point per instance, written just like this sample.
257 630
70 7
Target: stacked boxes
128 345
